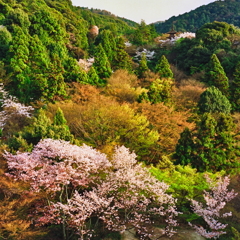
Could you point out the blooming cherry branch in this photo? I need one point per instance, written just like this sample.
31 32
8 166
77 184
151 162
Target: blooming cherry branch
11 107
83 185
215 202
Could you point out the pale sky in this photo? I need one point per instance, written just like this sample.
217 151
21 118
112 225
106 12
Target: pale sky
148 10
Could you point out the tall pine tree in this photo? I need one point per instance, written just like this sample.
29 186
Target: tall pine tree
211 146
122 59
215 75
101 64
108 43
143 67
235 89
163 68
93 78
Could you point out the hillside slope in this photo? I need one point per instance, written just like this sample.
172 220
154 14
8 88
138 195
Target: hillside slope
222 11
41 42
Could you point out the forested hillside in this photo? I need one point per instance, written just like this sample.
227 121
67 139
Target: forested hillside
106 126
106 13
223 11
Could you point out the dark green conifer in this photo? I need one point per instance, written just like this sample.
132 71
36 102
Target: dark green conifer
108 43
235 89
143 67
213 101
184 148
59 128
42 127
5 39
163 68
122 59
101 64
215 75
211 146
93 78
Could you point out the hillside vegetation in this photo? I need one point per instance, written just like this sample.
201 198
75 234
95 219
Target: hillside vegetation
106 126
222 11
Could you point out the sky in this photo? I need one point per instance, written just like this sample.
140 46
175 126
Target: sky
148 10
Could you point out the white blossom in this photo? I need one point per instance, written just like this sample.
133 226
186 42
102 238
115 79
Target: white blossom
11 107
215 202
149 54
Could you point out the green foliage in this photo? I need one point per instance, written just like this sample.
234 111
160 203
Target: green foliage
211 146
59 118
190 55
213 101
224 11
105 20
122 60
235 89
106 123
215 75
18 17
159 91
142 34
214 34
163 68
143 67
101 64
236 234
185 184
5 40
184 148
93 78
107 40
42 127
220 38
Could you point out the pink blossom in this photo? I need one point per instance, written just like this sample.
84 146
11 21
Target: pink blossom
11 107
82 183
215 202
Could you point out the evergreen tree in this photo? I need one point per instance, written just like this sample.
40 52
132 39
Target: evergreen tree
211 146
101 64
5 39
93 78
184 148
235 89
122 59
163 68
143 67
59 118
38 130
42 127
108 43
18 55
215 75
143 34
159 91
213 101
56 84
59 128
83 76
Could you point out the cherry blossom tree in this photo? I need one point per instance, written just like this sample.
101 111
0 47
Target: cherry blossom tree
11 108
211 213
85 187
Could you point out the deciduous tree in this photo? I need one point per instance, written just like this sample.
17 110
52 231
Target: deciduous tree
86 185
215 200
